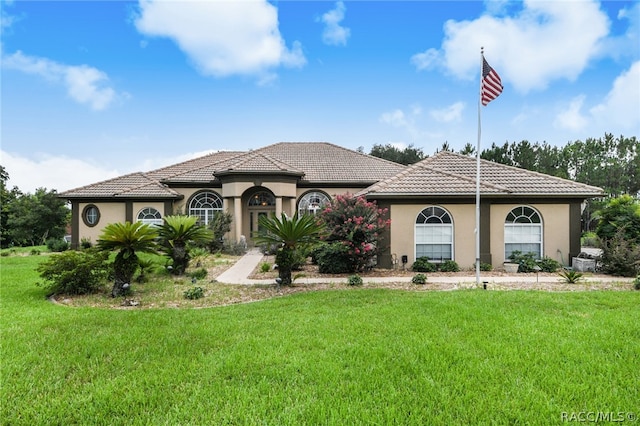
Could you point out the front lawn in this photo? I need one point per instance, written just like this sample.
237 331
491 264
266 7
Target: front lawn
354 356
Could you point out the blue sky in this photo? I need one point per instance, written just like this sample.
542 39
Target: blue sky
92 90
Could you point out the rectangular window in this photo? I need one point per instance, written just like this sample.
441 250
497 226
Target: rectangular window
434 242
523 238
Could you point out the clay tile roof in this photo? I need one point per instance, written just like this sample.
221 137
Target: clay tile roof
131 185
326 162
447 173
256 162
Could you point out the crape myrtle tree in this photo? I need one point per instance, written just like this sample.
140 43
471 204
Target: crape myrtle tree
354 227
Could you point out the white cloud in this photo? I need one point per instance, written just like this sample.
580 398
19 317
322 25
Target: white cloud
63 173
621 106
452 113
222 38
624 45
426 60
334 33
85 85
545 41
52 172
572 118
405 121
395 118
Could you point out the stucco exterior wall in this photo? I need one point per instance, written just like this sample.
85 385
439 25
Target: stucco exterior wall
555 226
403 219
109 213
555 219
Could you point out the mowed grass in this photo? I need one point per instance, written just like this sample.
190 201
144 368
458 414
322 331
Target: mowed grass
356 357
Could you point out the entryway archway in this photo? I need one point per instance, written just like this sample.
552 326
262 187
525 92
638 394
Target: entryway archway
261 203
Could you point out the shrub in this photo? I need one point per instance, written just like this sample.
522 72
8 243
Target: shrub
355 280
333 259
589 239
220 224
234 248
620 256
35 252
194 293
548 264
422 264
622 213
449 266
198 274
636 283
570 276
74 272
527 261
85 243
299 260
265 267
486 267
57 244
419 279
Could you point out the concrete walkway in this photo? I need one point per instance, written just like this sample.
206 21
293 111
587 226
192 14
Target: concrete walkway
240 271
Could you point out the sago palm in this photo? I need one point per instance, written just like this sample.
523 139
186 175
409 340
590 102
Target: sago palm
127 238
288 234
176 233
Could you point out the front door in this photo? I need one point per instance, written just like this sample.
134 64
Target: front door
261 203
254 217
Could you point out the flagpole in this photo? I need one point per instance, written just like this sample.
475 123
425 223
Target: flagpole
478 173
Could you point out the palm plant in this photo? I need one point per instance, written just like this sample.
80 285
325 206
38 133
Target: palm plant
289 234
176 234
128 238
570 276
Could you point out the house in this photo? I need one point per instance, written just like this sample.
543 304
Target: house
431 203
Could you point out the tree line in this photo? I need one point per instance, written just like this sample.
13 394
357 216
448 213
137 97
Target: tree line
611 163
30 219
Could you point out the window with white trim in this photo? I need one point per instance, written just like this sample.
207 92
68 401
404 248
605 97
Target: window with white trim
205 205
434 234
523 232
312 202
150 216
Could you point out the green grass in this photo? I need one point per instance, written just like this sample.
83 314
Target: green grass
355 356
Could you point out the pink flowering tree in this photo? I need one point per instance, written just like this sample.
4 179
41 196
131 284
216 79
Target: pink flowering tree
357 224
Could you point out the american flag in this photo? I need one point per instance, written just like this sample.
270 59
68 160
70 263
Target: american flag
491 86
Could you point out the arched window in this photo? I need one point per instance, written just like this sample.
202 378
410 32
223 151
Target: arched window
205 205
312 202
434 234
523 232
150 216
262 198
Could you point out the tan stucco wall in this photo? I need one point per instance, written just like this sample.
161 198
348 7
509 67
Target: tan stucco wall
403 219
109 213
555 238
555 219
